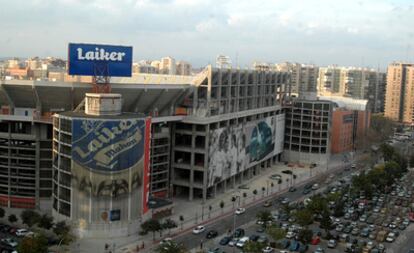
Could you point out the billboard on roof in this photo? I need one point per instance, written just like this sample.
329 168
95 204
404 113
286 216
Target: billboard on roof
95 59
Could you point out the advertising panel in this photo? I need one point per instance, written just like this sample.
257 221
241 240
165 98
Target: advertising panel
108 168
236 148
87 59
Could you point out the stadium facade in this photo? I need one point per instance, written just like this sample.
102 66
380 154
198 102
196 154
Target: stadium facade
189 123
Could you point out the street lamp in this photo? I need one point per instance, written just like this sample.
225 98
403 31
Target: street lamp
234 219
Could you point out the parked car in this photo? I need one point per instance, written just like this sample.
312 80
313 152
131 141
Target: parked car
225 240
239 232
268 249
332 244
211 234
22 232
198 230
242 242
10 242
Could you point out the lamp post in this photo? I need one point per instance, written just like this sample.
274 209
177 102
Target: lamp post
234 220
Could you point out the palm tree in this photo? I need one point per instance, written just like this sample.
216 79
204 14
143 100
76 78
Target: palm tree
209 211
254 194
244 197
233 199
263 191
294 178
271 186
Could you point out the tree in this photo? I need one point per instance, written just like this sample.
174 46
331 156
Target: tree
33 244
62 230
273 185
45 221
304 217
182 221
294 178
2 212
264 216
222 206
254 193
253 247
169 224
317 205
151 225
12 218
171 247
209 211
275 232
30 217
305 236
263 191
326 222
279 182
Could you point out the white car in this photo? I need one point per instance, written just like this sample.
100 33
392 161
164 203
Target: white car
22 232
268 250
9 241
198 230
240 210
290 235
233 242
315 187
242 242
390 237
166 240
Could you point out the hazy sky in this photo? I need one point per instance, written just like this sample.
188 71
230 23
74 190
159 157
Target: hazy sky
343 32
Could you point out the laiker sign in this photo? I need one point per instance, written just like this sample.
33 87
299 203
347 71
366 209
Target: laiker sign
85 59
108 146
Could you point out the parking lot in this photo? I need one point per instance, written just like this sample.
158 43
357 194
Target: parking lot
364 224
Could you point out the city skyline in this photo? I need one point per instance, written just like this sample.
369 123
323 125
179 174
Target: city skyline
360 33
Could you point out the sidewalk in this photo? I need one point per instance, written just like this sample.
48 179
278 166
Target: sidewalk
195 213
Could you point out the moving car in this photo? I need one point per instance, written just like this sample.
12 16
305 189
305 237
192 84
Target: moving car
240 210
198 230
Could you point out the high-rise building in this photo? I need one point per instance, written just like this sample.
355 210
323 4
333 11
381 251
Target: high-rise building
168 66
183 68
358 83
303 78
399 98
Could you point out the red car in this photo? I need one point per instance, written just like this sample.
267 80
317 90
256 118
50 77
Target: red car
411 216
316 240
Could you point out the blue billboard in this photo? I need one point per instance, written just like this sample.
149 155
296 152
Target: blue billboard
108 145
94 59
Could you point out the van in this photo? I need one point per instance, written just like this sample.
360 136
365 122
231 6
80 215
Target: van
381 236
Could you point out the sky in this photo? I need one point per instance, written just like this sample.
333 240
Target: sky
362 33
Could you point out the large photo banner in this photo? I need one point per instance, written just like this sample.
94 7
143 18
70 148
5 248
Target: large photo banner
236 148
108 168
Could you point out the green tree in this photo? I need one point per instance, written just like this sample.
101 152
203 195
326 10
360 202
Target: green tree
304 217
2 213
33 244
275 232
30 217
222 206
279 182
63 232
12 218
305 236
317 205
171 247
45 221
326 222
169 224
264 216
151 225
253 247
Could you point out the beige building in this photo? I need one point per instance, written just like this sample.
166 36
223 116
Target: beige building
303 78
399 98
183 68
167 66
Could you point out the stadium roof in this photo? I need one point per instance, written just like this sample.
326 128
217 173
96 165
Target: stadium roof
141 93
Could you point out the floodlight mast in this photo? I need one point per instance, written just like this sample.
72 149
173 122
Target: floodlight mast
101 78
